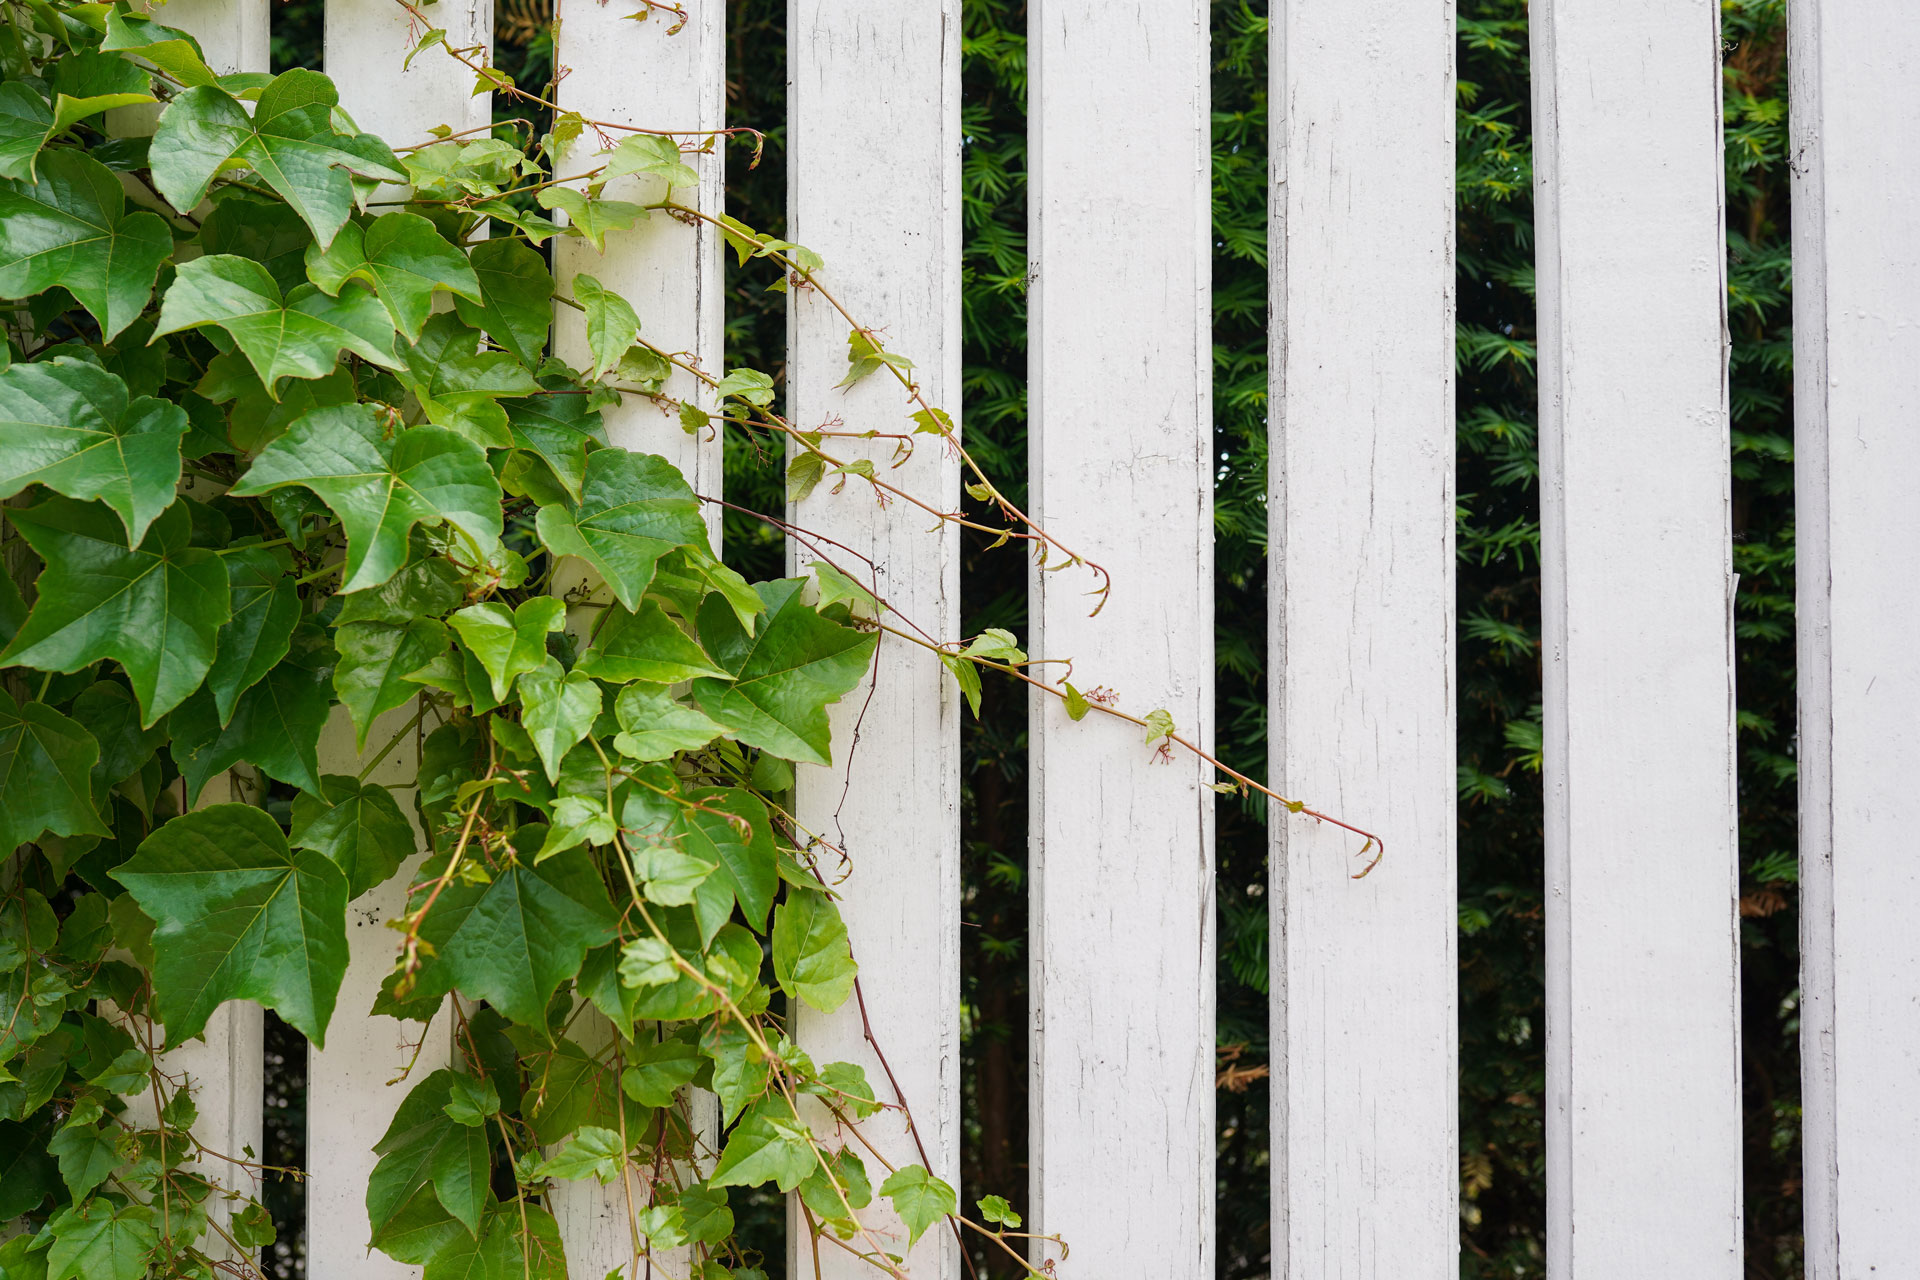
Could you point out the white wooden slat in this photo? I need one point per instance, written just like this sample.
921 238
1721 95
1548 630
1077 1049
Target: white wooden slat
366 47
1361 627
644 74
1643 1062
225 1067
1855 106
233 34
370 1063
1121 441
873 152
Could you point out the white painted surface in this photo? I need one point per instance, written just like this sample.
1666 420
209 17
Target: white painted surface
1643 1065
367 43
1856 103
370 1063
1121 844
873 157
1360 666
233 34
636 74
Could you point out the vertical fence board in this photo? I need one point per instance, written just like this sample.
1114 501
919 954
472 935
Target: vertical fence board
1121 439
1643 1066
233 34
645 74
1856 107
874 157
1361 626
370 1063
226 1065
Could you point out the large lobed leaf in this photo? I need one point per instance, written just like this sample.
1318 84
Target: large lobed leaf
381 485
239 915
70 229
289 140
70 425
155 609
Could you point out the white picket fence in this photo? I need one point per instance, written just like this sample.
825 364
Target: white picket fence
1642 985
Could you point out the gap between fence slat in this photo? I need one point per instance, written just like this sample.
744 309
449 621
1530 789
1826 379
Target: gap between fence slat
1855 110
1643 1043
1120 447
874 187
1361 641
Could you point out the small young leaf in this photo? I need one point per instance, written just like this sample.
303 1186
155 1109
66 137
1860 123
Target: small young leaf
919 1198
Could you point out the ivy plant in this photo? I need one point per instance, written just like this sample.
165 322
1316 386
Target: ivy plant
283 447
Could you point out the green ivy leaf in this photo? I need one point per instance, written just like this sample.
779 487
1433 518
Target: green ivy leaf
25 122
509 644
653 155
837 588
516 296
45 765
358 826
654 724
263 231
72 427
174 52
107 711
646 645
425 1147
156 610
704 1211
590 217
995 1209
504 1253
783 676
71 229
593 1152
289 140
514 941
634 508
842 1175
460 386
87 1155
96 1241
611 324
760 1151
471 1100
812 959
919 1198
88 83
657 1071
557 710
557 430
301 336
377 663
380 487
275 725
265 607
240 916
729 829
402 258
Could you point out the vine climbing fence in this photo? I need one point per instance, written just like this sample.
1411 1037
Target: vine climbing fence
1643 1064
